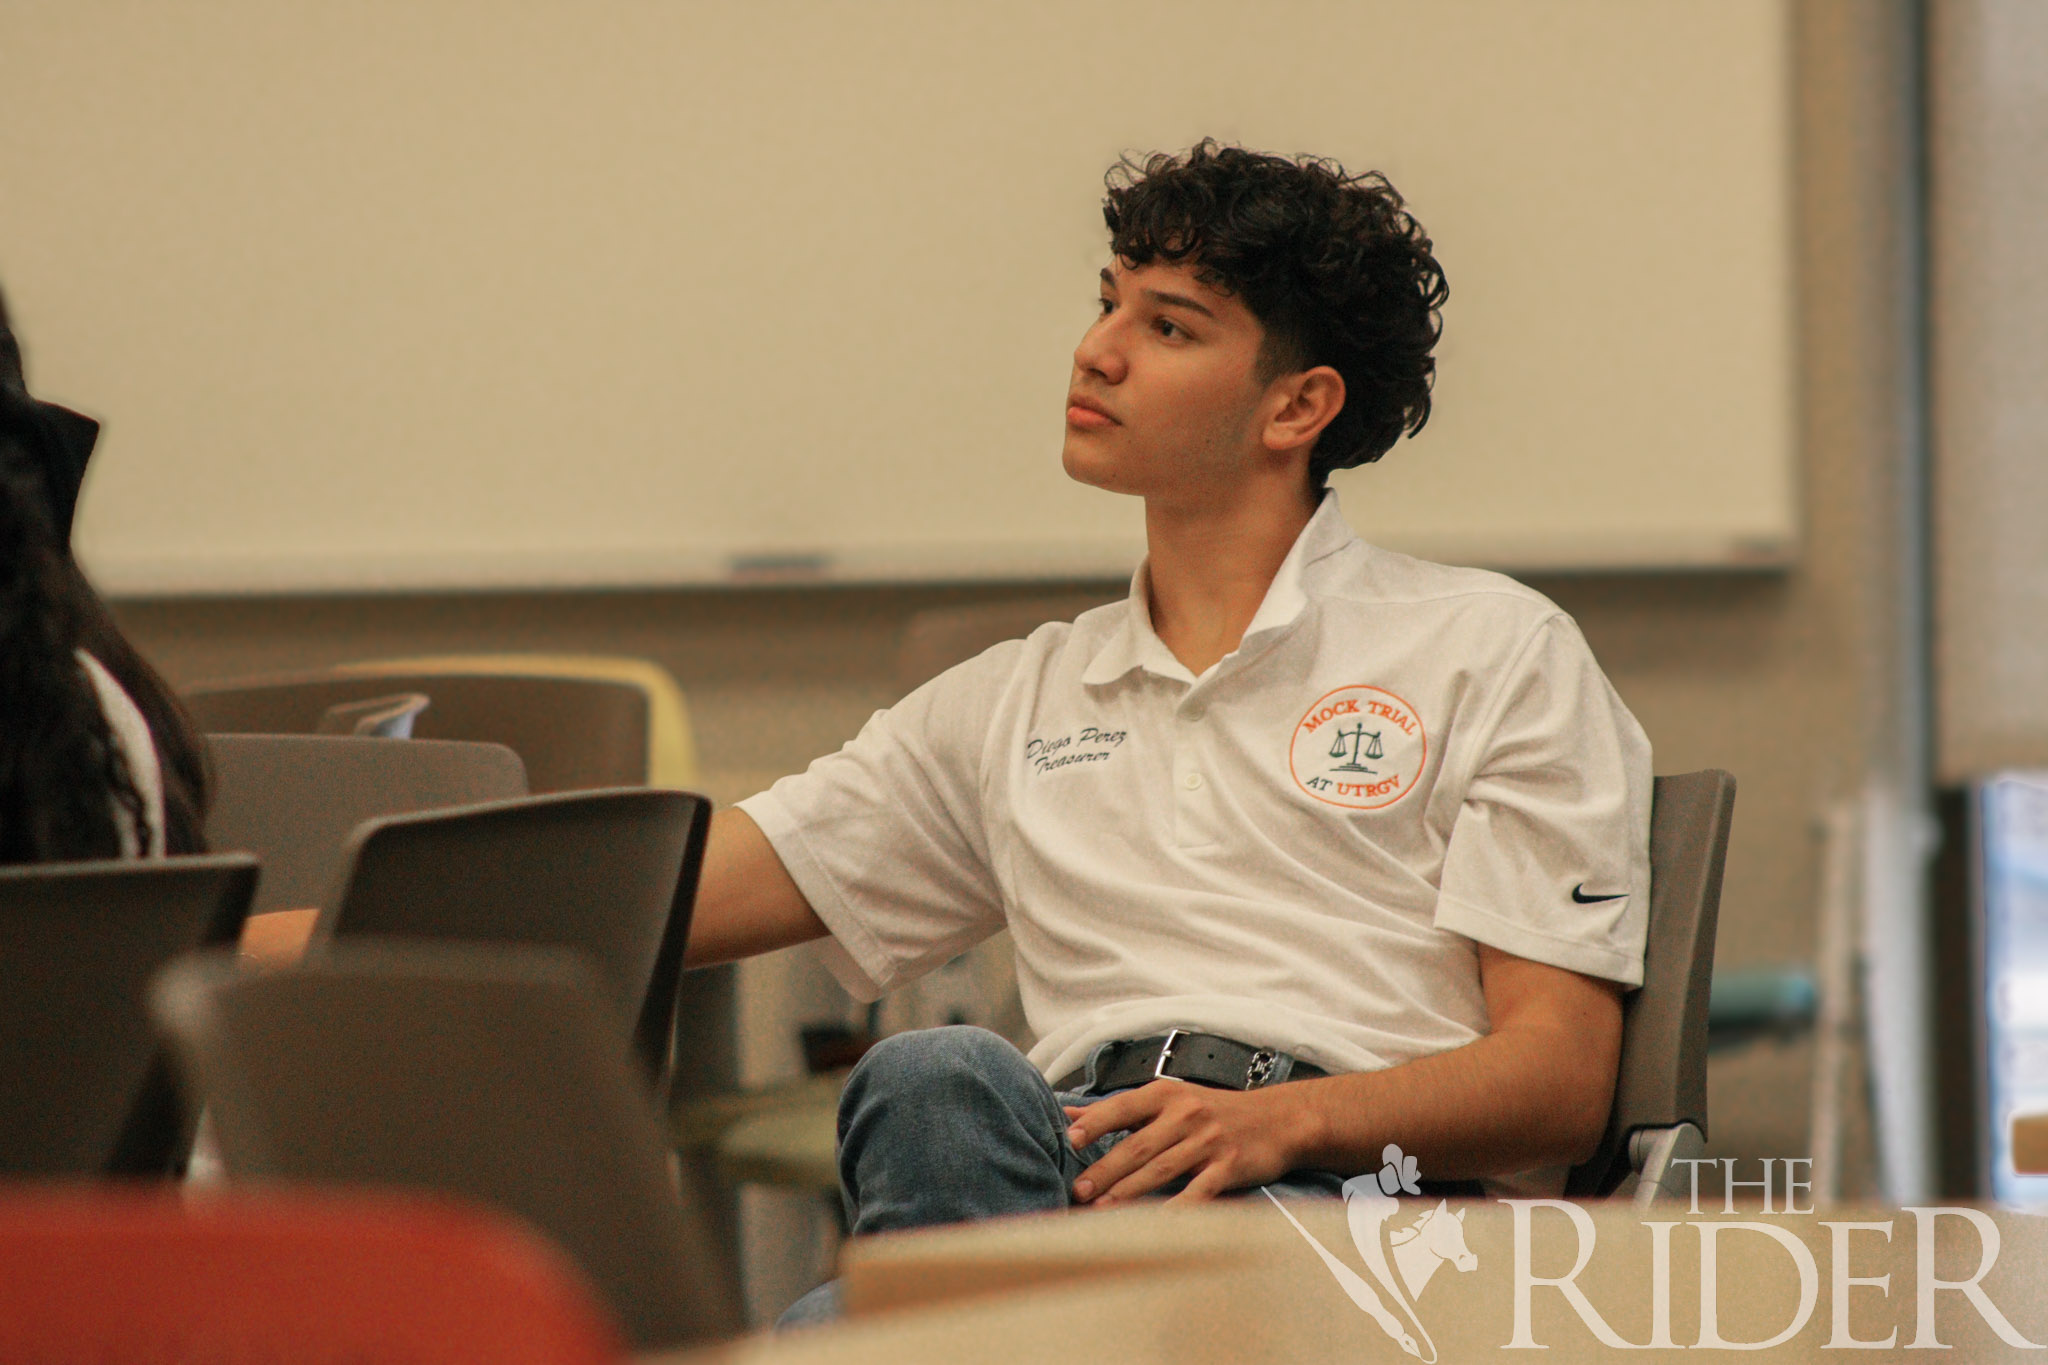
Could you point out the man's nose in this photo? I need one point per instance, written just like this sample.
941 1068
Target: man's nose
1101 352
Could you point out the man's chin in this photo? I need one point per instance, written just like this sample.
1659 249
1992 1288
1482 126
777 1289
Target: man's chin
1088 466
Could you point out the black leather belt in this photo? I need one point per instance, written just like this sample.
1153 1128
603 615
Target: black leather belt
1202 1058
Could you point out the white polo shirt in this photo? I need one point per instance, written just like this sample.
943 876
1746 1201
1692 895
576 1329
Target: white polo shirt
1298 849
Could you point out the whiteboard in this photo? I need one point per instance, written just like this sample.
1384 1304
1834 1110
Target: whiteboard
580 292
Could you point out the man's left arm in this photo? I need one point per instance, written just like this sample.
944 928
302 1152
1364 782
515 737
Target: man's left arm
1533 1092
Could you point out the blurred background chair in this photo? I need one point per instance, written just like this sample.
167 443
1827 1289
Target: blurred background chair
609 874
282 1276
84 1088
578 721
494 1074
294 800
1659 1115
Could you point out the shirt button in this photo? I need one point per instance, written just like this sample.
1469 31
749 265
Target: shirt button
1193 782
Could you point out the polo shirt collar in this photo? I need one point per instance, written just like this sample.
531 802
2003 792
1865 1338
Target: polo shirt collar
1134 644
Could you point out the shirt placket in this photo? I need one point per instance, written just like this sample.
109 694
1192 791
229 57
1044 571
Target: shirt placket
1195 814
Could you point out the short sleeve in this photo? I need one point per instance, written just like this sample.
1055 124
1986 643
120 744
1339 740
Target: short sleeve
1549 855
886 838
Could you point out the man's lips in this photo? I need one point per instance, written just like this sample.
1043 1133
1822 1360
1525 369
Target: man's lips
1087 414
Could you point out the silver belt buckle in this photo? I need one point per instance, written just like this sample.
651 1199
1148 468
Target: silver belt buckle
1260 1068
1173 1036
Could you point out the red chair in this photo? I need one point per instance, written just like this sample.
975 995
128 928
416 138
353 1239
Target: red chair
105 1273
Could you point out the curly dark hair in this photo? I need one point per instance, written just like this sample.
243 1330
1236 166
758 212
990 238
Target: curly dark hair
1331 264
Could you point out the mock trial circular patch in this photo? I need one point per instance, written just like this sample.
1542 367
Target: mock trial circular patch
1359 747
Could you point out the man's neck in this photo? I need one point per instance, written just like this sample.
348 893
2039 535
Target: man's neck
1208 568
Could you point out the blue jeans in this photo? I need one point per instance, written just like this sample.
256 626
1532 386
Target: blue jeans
953 1125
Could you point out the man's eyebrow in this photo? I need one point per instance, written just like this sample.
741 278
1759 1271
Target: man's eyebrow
1178 301
1161 296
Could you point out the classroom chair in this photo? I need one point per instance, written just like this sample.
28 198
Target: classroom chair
1660 1096
84 1089
577 721
585 738
293 800
671 742
491 1073
611 874
283 1276
567 715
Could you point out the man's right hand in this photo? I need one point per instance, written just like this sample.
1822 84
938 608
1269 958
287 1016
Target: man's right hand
746 902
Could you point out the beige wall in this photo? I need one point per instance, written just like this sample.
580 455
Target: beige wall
1782 677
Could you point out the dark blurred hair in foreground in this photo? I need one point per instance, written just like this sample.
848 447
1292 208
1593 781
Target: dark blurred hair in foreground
61 774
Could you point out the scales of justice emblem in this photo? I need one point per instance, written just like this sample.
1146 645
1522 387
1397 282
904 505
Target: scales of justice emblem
1359 747
1401 1260
1346 748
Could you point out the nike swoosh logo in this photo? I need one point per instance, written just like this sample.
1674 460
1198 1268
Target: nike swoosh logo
1579 895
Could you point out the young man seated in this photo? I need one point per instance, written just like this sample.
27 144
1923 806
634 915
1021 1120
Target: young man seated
1307 847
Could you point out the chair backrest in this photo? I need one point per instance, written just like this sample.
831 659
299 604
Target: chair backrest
1663 1075
84 1088
494 1074
671 739
281 1276
611 874
935 640
293 800
572 732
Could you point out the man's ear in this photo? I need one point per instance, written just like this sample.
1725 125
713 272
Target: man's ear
1308 402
